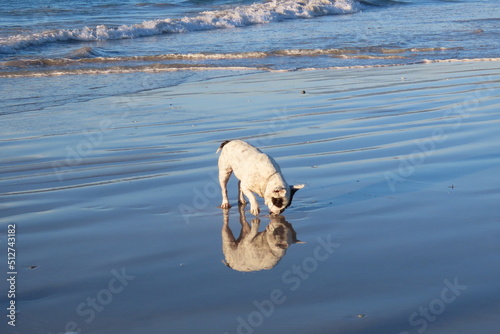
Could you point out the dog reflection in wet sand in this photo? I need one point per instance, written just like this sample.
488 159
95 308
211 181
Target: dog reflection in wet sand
254 250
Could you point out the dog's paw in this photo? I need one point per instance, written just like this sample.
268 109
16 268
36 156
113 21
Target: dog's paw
225 206
255 211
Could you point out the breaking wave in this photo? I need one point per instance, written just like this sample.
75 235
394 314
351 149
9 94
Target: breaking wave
241 16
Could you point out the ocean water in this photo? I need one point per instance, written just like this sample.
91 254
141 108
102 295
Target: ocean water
106 47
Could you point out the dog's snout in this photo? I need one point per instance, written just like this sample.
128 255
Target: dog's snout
272 211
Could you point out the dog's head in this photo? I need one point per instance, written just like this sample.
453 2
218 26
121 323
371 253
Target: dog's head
281 198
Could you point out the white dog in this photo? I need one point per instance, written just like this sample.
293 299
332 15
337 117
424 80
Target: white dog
258 173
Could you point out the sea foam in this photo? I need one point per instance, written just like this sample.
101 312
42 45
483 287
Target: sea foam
241 16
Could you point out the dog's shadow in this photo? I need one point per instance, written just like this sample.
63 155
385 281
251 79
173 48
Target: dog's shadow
254 250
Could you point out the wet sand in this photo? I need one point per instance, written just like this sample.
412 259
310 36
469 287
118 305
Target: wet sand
118 228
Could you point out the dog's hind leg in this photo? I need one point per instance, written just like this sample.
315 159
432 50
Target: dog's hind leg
224 175
241 198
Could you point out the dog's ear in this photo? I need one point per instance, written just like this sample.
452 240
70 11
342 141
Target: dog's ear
296 187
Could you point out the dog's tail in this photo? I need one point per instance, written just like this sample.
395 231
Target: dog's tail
221 146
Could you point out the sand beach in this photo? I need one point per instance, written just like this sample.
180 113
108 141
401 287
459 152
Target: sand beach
113 203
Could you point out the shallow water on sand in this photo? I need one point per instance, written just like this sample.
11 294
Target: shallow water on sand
115 202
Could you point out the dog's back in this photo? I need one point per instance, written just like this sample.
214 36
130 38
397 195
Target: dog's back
246 160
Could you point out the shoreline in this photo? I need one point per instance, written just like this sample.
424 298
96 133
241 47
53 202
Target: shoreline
116 70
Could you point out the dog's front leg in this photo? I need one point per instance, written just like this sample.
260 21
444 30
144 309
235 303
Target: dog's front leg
254 205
